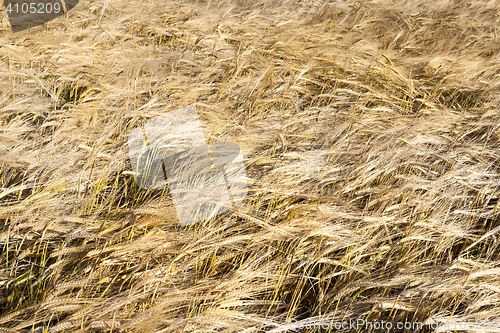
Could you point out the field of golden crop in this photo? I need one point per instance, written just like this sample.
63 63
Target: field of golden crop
371 135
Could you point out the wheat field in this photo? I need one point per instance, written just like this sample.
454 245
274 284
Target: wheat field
370 132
